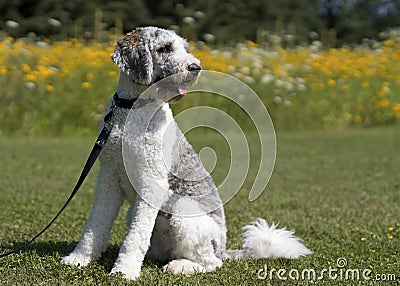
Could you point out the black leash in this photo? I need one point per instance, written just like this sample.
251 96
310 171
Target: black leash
98 146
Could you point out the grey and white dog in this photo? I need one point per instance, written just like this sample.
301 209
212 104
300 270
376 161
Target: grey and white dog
176 213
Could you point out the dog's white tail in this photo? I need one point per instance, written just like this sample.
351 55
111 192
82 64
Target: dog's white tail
261 240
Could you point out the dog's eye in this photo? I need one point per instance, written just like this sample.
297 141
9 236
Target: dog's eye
165 49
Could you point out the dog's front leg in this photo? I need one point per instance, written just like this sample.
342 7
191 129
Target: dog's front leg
107 201
137 241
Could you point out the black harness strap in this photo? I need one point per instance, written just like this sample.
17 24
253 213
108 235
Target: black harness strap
123 102
94 154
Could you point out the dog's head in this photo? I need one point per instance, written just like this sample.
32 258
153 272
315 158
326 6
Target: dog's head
149 54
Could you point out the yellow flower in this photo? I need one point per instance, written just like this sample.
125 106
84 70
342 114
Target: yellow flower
86 85
252 44
3 71
384 103
89 76
389 42
390 236
331 82
9 39
44 71
25 68
365 84
29 77
49 88
390 228
381 93
357 119
396 108
357 74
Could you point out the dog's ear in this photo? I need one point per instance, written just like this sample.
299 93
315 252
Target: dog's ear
132 55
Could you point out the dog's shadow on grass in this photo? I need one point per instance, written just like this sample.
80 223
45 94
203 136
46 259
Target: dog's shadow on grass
59 249
42 249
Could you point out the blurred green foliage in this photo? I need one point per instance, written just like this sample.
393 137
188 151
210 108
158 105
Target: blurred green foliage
226 21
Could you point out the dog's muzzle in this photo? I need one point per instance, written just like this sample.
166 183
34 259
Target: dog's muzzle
189 79
174 86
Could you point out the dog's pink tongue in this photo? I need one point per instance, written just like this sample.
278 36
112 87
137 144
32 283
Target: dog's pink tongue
182 90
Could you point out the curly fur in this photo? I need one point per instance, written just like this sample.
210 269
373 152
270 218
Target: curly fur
189 233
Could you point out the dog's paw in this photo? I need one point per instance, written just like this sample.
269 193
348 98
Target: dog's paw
183 266
76 260
129 273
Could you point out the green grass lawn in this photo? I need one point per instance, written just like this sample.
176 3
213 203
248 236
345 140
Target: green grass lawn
339 190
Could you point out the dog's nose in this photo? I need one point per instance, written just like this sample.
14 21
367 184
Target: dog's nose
194 67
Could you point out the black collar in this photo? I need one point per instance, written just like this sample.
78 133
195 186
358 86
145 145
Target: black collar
123 102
